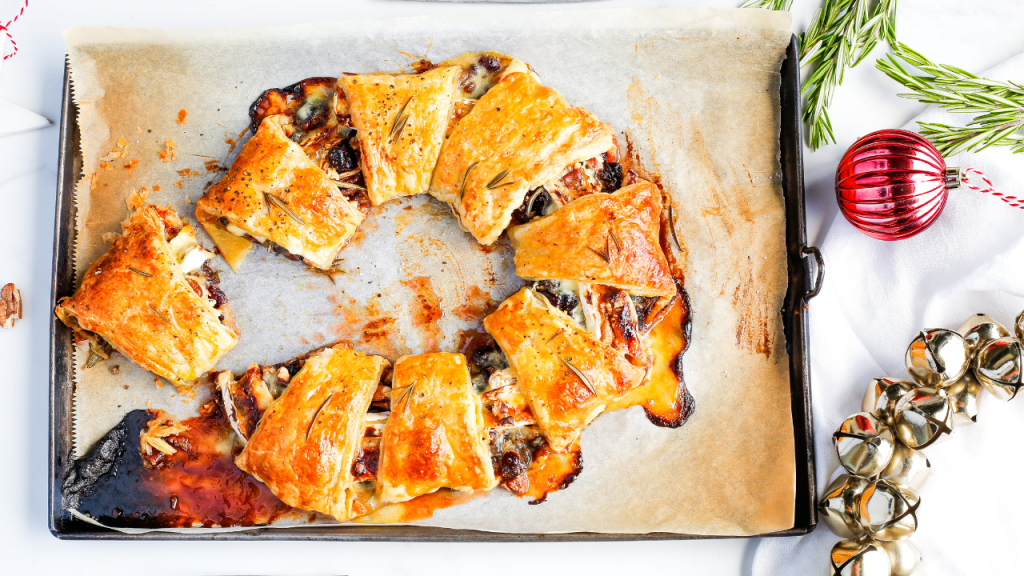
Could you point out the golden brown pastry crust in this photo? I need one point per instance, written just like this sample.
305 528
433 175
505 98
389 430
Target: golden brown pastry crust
305 443
270 163
609 239
152 316
398 155
540 343
521 127
434 437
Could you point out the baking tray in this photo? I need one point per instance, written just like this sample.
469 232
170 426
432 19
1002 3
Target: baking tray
802 287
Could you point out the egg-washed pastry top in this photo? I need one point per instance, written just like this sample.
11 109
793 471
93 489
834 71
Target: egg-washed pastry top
568 375
518 136
138 299
274 192
307 441
609 239
400 121
435 436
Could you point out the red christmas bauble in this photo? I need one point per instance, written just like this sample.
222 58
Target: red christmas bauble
892 184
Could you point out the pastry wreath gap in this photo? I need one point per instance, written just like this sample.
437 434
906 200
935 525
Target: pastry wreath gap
475 145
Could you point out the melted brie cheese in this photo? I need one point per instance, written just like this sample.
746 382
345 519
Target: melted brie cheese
233 246
195 259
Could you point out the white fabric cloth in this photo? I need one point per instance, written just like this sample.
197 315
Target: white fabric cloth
876 297
14 119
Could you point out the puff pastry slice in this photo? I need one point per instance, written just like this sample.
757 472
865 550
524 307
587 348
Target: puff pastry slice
567 374
275 193
400 121
138 299
518 136
435 436
307 441
608 239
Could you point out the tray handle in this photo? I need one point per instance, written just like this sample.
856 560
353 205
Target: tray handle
819 263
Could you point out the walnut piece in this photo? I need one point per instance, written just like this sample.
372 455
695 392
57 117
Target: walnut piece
10 306
283 375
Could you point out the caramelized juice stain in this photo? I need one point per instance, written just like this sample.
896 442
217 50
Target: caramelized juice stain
553 471
198 485
477 305
664 397
425 311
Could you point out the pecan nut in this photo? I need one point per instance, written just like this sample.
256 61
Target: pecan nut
10 306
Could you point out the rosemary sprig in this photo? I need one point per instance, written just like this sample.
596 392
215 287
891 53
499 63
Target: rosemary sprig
618 245
405 395
999 105
533 197
602 256
97 352
349 185
672 227
494 183
465 178
140 272
157 312
579 374
329 273
840 36
283 207
344 175
317 415
398 130
768 4
400 121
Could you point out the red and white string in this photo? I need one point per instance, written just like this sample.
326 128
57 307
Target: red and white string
970 174
5 28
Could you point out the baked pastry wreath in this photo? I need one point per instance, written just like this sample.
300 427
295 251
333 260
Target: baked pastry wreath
601 324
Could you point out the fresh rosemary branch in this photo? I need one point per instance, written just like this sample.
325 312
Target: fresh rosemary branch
768 4
999 105
841 35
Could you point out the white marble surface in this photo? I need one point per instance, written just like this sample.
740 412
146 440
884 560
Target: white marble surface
972 35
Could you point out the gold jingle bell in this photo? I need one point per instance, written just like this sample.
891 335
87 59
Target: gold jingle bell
859 558
908 468
904 556
838 507
888 512
1018 326
923 417
937 357
881 397
998 367
864 444
964 396
979 330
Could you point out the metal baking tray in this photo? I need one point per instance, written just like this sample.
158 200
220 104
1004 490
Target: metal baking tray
802 287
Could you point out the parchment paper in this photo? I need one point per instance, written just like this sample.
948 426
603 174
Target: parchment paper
695 93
